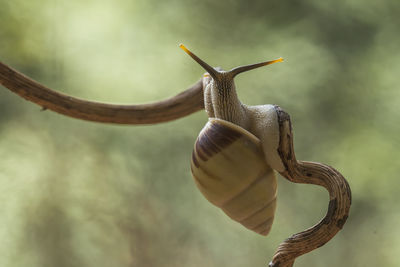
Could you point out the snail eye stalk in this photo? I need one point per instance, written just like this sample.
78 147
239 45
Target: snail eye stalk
237 70
208 68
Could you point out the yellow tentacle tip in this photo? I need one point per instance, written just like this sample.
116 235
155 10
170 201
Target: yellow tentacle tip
183 47
278 60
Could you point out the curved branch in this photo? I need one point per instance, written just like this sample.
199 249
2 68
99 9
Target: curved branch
185 103
310 173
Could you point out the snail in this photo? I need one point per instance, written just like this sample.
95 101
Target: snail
235 155
236 152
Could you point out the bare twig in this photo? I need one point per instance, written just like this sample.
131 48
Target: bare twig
169 109
310 173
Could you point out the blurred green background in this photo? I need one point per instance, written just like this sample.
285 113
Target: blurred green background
77 193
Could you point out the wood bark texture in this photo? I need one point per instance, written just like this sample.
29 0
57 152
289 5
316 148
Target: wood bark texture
185 103
310 173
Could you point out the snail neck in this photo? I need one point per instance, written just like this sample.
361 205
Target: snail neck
222 102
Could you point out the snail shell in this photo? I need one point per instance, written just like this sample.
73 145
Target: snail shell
228 166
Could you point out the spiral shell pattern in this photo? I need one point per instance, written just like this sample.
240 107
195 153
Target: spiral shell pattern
229 167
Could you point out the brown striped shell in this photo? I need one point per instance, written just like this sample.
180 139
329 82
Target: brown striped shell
229 168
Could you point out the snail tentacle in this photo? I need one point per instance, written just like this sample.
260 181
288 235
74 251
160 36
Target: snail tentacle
183 104
310 173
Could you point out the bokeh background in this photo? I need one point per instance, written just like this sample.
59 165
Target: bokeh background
77 193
